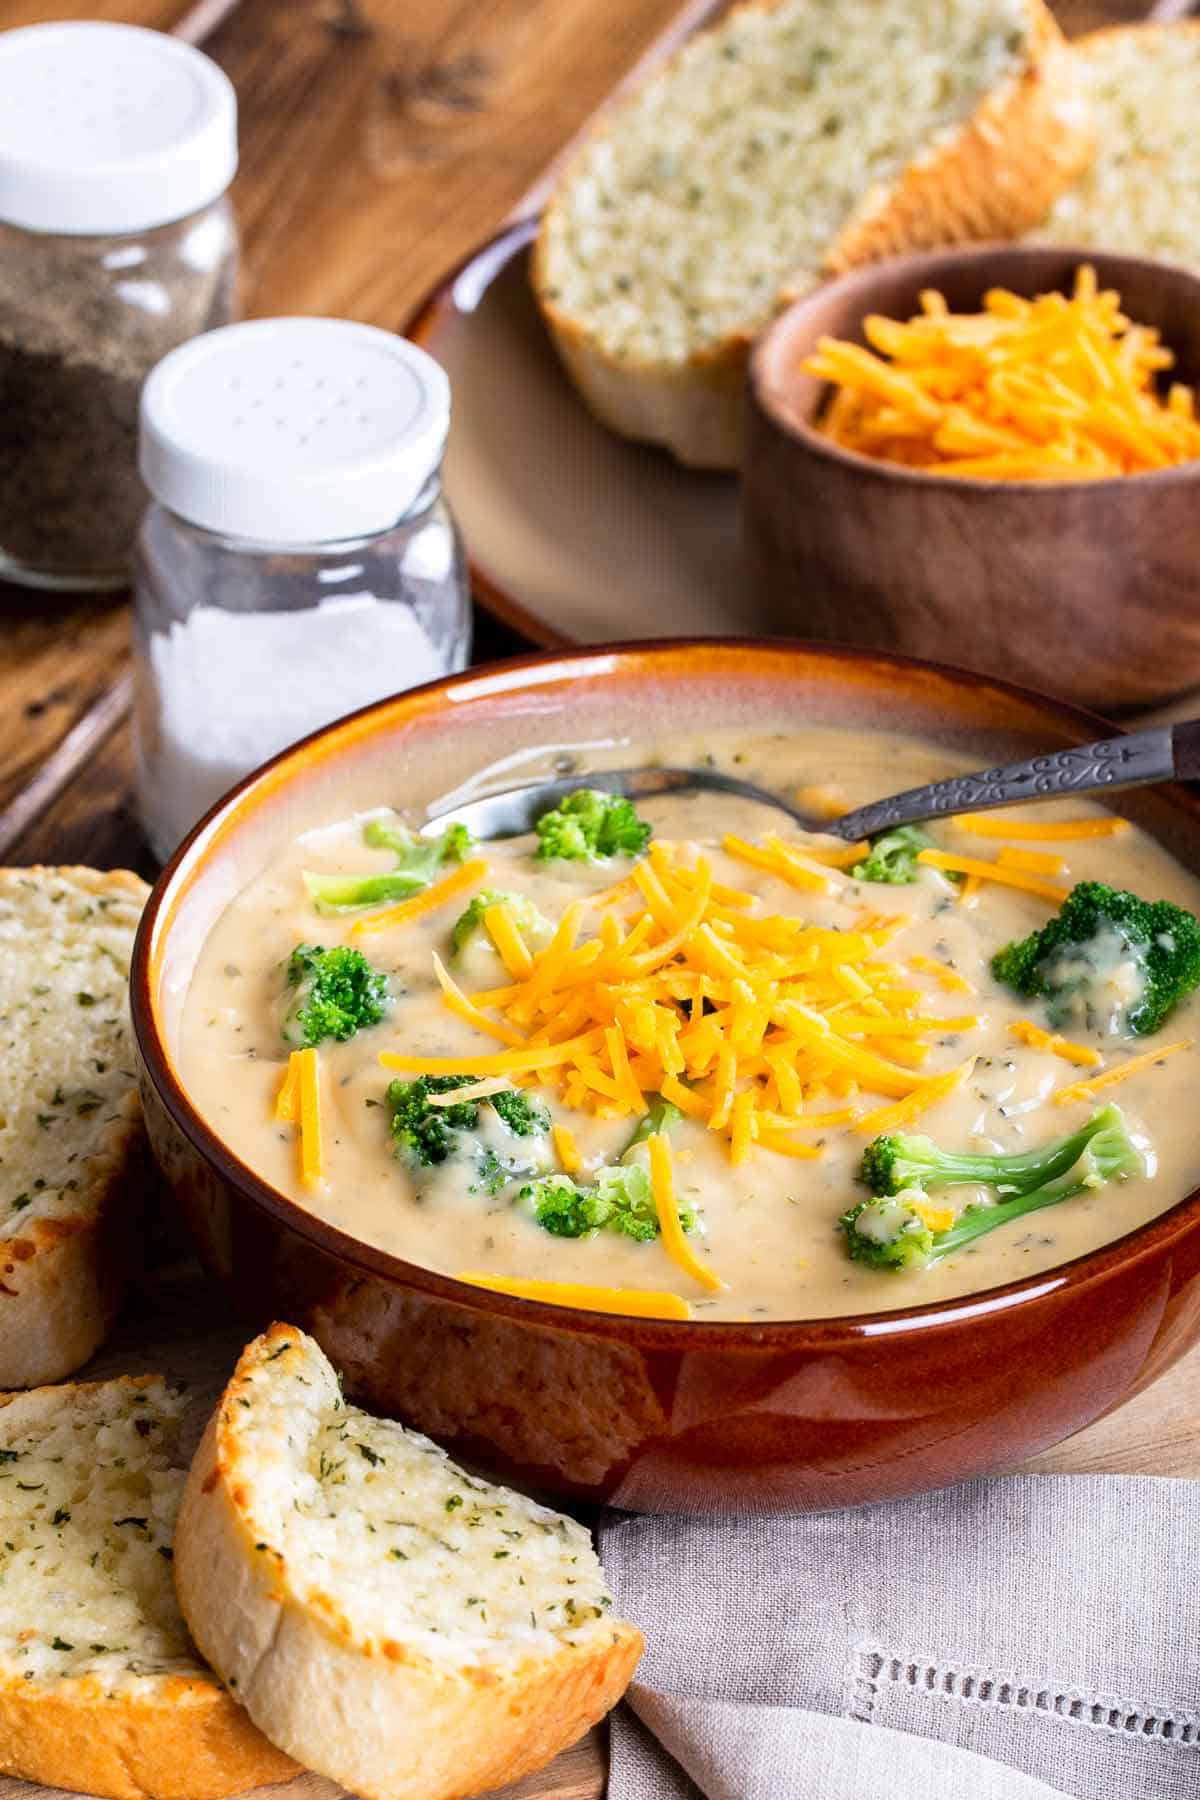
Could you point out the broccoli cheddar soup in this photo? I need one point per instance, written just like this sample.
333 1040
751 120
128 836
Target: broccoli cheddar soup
687 1060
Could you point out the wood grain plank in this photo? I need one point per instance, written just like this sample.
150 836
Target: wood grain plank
159 15
59 657
93 820
381 142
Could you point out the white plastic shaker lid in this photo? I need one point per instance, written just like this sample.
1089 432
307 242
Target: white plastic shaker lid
106 129
293 431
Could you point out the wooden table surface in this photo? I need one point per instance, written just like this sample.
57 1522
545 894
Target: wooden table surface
381 140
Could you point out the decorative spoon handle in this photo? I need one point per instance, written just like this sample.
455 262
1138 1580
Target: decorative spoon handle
1160 754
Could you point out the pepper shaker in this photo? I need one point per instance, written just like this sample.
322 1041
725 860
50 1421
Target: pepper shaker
117 242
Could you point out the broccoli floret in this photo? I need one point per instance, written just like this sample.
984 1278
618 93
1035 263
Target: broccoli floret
525 914
418 860
618 1198
521 1112
887 1234
454 845
892 856
331 994
590 826
894 1231
425 1135
1109 961
901 1160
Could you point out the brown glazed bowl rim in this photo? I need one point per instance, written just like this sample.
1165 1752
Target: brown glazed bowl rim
862 283
653 658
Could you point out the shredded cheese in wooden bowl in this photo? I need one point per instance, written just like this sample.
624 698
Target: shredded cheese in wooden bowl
1054 389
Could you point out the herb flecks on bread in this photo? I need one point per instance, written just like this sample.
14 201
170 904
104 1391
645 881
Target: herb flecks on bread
403 1627
791 138
1141 194
70 1132
89 1489
101 1688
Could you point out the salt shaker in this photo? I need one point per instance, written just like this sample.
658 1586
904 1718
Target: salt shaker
297 560
117 242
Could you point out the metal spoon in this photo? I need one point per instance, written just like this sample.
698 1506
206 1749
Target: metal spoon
1163 753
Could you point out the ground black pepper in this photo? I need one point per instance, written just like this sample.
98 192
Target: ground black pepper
82 322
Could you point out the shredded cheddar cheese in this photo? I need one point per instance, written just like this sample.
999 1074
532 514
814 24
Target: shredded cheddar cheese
502 928
508 1062
938 1218
892 1118
1050 389
639 1303
760 1027
744 1020
458 1003
566 1149
776 859
1045 830
285 1099
839 859
1083 1090
312 1155
946 978
662 1182
992 871
468 875
1026 1032
298 1101
1038 862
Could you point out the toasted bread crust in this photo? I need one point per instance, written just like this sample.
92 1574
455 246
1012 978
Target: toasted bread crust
193 1743
63 1280
1022 146
383 1720
1001 175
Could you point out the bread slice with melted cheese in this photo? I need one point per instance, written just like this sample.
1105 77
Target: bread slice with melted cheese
404 1628
794 138
1141 194
70 1123
101 1690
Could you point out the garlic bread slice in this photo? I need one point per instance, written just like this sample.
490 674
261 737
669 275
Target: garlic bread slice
70 1124
101 1689
398 1625
793 138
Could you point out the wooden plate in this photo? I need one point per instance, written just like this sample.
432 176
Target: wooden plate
574 535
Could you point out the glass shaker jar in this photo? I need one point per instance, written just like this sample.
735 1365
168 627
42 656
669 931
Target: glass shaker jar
117 242
297 560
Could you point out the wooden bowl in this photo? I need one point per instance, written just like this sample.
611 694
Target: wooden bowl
1088 589
654 1415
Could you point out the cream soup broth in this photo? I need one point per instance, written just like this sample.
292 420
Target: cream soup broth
767 1225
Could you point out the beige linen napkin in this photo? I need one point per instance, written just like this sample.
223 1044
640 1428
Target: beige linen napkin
1025 1638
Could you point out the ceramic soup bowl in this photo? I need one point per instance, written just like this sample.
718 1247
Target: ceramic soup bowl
653 1415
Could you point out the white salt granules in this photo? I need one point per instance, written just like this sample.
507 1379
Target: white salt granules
223 691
